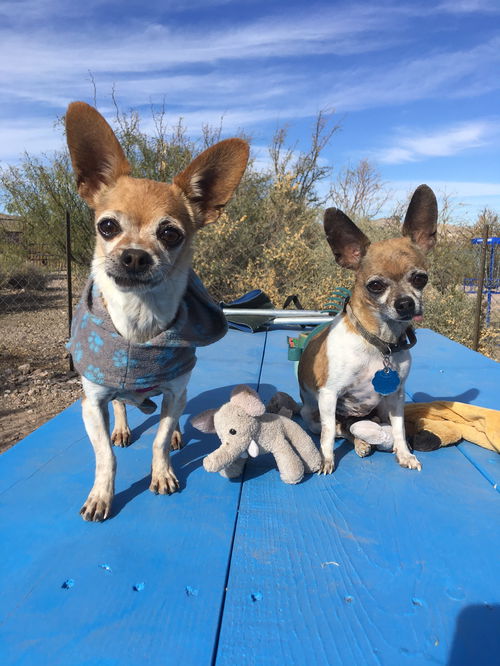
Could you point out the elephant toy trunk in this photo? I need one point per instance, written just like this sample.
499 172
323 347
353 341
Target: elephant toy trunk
219 459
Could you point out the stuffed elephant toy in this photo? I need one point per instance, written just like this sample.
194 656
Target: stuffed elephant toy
244 428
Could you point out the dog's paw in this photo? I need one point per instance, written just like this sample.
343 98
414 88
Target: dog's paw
408 460
362 448
96 508
176 442
121 437
326 466
164 483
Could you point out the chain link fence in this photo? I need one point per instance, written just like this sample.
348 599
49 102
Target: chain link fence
487 284
36 381
34 277
39 287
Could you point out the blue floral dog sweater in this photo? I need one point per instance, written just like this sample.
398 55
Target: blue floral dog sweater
104 357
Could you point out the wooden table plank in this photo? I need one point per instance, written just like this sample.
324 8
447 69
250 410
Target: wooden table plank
372 565
444 370
178 546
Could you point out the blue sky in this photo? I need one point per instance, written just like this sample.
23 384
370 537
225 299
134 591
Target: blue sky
415 85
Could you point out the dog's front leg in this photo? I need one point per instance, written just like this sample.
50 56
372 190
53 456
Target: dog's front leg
395 408
327 404
163 479
96 419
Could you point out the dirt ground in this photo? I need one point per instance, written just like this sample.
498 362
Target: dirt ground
35 380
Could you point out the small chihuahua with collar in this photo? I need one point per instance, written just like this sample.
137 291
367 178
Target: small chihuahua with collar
143 310
357 366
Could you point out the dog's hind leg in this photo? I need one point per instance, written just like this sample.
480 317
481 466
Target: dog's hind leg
361 447
163 479
176 441
311 418
121 435
310 411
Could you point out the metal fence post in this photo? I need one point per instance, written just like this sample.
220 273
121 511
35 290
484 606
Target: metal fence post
480 285
69 281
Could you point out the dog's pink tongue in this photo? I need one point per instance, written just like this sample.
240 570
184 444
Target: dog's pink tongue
418 317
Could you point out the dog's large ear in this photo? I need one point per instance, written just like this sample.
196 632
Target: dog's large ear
421 218
204 421
96 155
211 178
348 243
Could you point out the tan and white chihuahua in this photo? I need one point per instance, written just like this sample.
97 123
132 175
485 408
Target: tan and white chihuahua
343 369
141 273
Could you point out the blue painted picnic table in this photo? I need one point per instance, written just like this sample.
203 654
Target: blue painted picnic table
372 565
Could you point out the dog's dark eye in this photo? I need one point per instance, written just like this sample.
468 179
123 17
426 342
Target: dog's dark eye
376 286
108 228
170 235
419 280
232 431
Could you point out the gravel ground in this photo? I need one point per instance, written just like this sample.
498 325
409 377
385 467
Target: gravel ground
35 381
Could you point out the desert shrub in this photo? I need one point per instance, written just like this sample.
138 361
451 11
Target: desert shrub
29 277
489 341
270 236
40 191
450 313
295 261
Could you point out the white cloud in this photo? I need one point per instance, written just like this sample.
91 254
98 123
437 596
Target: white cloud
469 7
148 63
153 46
249 72
238 73
23 11
35 136
464 189
145 67
414 146
466 199
441 74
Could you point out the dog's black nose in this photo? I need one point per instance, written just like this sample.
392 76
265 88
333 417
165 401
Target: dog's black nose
405 306
136 261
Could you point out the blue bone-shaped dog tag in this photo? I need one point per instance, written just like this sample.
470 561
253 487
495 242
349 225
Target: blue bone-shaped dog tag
386 381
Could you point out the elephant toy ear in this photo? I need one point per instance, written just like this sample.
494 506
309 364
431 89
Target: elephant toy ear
245 397
204 421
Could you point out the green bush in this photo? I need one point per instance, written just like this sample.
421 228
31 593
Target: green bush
270 236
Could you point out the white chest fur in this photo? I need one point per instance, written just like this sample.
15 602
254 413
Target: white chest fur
352 364
141 316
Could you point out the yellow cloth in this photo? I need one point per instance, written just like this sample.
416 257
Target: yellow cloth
452 421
